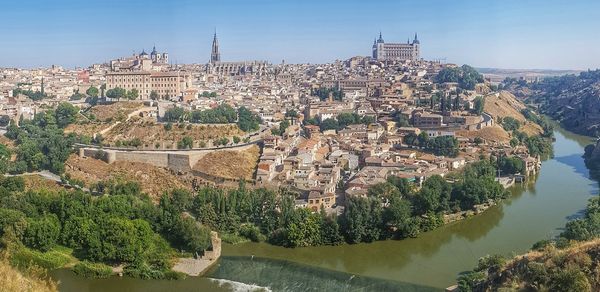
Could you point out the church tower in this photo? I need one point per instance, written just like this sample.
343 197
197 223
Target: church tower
215 56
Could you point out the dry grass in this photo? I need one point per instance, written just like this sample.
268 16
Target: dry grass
150 132
494 133
88 129
230 164
35 182
116 111
153 180
507 105
12 280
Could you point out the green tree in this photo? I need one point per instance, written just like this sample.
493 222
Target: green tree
43 233
478 105
154 95
65 114
92 91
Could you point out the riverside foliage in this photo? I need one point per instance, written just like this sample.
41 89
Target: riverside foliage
121 227
393 209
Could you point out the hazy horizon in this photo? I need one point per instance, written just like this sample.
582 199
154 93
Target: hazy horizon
547 35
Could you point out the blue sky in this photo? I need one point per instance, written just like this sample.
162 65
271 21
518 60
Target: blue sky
504 34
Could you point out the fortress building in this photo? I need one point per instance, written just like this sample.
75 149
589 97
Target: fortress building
383 51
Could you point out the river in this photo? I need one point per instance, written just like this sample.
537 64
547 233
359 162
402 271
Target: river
536 210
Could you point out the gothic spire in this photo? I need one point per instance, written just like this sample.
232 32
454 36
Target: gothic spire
215 56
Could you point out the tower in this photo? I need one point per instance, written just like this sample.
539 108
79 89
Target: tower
215 56
416 48
374 50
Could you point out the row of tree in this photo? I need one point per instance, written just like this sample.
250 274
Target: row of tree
394 209
245 119
440 145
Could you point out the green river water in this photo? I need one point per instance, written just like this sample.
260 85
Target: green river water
536 210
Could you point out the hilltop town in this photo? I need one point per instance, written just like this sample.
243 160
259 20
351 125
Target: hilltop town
326 131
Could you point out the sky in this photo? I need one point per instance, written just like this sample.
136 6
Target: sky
524 34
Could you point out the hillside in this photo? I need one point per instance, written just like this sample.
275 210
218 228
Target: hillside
507 105
153 180
12 280
576 268
573 100
230 164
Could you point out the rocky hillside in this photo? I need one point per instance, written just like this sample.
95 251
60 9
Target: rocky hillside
570 262
505 105
574 100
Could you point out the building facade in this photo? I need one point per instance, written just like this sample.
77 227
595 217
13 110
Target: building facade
165 84
383 51
141 61
215 66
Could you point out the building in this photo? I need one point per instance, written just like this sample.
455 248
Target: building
165 84
383 51
215 66
142 61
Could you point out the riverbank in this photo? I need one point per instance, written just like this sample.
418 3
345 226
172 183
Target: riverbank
534 210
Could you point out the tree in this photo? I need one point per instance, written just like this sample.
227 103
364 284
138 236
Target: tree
132 94
329 124
478 105
186 142
42 233
175 114
236 139
116 93
154 95
65 114
92 91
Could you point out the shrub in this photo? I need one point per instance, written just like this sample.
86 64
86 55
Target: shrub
92 270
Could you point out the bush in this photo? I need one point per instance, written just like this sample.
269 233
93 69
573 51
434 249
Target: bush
53 259
233 238
42 233
251 232
92 270
541 245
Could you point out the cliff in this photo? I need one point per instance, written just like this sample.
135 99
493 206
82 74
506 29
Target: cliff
573 100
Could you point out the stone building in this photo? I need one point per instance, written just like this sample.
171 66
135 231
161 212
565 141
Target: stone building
383 51
215 66
165 84
142 61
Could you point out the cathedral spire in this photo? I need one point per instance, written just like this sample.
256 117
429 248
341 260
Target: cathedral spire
416 40
215 56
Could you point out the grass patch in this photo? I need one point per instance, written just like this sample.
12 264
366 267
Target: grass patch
233 238
92 270
55 258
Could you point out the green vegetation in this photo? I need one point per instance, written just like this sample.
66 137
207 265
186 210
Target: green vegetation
567 263
208 94
466 76
92 270
478 105
186 142
391 210
41 143
246 120
441 145
510 165
345 119
118 93
33 95
510 124
323 93
121 227
92 91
